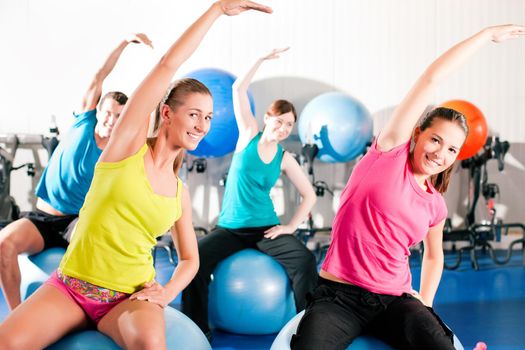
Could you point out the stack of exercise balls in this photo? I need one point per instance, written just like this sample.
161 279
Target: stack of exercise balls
478 128
338 124
223 134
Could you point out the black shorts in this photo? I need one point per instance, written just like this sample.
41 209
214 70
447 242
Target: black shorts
55 230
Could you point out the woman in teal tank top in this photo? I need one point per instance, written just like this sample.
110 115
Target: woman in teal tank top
248 218
135 196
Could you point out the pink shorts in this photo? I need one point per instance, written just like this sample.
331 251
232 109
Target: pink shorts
92 303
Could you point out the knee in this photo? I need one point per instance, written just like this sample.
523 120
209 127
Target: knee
11 342
149 341
7 252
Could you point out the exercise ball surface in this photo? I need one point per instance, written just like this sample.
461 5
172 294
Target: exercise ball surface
48 260
250 294
478 128
36 269
223 134
181 334
364 342
338 124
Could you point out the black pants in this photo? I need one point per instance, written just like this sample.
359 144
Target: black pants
55 230
337 313
296 259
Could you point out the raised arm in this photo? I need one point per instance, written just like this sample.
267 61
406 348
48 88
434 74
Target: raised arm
299 179
94 91
399 128
241 104
131 129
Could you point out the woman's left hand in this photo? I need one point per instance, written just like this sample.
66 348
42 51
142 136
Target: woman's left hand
278 230
154 293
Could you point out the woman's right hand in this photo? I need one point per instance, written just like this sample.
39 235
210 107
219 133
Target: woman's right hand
235 7
505 32
275 53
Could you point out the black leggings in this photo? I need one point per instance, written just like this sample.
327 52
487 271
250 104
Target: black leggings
337 313
297 260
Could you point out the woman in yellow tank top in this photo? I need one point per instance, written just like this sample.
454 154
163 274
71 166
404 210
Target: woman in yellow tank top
106 275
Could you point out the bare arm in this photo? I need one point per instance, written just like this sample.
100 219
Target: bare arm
94 91
241 103
299 179
188 265
131 129
400 126
432 266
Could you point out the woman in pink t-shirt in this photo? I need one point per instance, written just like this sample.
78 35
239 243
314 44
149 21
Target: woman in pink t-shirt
392 201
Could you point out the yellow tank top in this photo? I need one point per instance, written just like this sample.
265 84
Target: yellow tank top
118 226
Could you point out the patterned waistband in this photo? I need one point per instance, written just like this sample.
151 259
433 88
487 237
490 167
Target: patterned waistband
91 291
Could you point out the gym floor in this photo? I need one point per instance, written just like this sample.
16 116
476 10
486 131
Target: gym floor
486 305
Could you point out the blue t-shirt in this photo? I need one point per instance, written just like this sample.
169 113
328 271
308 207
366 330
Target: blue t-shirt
67 177
247 201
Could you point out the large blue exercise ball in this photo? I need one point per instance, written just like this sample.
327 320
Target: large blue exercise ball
223 134
364 342
36 269
338 124
250 294
181 334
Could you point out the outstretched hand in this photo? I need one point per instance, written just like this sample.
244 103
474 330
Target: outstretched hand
505 32
235 7
275 53
139 38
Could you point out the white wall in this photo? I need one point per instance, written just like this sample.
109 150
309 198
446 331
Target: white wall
373 50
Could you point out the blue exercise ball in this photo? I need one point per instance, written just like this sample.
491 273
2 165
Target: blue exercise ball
36 269
338 124
364 342
223 134
250 294
181 334
49 259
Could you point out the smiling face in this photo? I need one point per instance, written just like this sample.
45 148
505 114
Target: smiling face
437 147
107 117
189 122
279 127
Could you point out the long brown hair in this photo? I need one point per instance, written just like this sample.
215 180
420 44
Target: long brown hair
441 180
174 98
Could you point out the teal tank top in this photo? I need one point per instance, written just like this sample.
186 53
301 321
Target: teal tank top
247 201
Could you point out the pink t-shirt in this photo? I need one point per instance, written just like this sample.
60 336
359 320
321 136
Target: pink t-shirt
382 213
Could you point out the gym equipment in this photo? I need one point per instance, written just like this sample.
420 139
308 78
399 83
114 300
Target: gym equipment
338 124
9 145
250 294
223 134
481 234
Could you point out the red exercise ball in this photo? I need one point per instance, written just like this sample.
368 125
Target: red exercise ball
478 128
